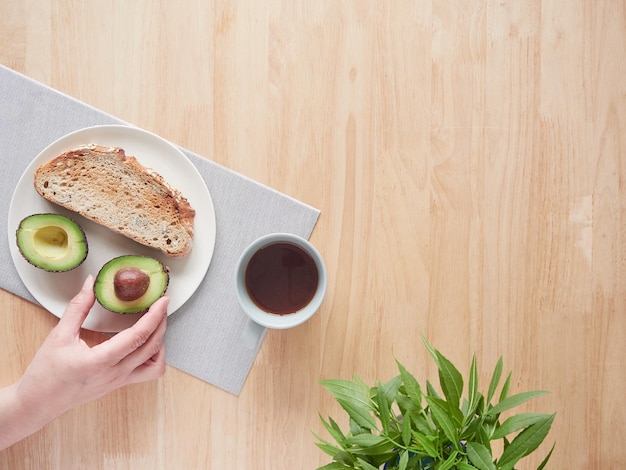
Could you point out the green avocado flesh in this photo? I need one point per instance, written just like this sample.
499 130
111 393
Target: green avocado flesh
107 287
51 242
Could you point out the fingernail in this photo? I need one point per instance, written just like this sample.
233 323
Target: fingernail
88 282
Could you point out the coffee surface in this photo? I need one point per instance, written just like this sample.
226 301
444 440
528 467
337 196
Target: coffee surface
281 278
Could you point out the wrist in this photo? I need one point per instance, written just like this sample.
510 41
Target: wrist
36 408
16 418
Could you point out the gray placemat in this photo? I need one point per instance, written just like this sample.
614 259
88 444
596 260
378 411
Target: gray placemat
209 337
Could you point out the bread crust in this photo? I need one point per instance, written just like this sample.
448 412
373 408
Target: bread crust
105 185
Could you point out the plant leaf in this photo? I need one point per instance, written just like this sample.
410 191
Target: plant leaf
348 391
513 401
365 465
495 380
482 437
406 430
354 399
334 430
525 442
430 390
439 410
423 424
411 386
449 462
480 456
470 430
383 407
406 405
472 387
515 423
465 466
472 420
359 414
431 350
404 460
357 380
545 461
355 428
333 466
335 452
328 448
427 445
366 440
391 388
505 388
370 444
450 379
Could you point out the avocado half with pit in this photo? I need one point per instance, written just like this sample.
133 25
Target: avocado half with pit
52 242
131 283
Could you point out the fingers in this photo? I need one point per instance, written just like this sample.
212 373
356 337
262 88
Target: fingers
75 313
146 333
147 351
152 369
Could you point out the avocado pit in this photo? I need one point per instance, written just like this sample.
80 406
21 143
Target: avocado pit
130 283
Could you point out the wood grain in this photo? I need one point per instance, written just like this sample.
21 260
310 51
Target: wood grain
468 160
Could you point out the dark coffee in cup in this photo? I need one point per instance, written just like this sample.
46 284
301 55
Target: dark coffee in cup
280 281
281 278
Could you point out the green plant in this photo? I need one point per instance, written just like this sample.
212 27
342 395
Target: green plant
396 426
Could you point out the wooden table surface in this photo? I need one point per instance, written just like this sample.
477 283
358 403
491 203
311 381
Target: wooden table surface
468 159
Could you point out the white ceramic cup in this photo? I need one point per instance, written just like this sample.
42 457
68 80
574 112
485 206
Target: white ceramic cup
271 320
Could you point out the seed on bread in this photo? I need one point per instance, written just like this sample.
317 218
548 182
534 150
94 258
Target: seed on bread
105 185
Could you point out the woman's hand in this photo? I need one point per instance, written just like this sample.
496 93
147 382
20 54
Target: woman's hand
66 371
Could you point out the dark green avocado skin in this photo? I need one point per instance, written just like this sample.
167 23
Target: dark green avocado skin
104 289
52 242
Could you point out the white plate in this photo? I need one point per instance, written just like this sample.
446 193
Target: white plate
54 290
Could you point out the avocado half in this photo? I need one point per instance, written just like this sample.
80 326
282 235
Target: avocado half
131 283
52 242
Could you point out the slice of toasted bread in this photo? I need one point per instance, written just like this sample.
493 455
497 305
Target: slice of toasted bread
116 191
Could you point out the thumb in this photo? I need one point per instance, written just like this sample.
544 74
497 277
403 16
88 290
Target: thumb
77 310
